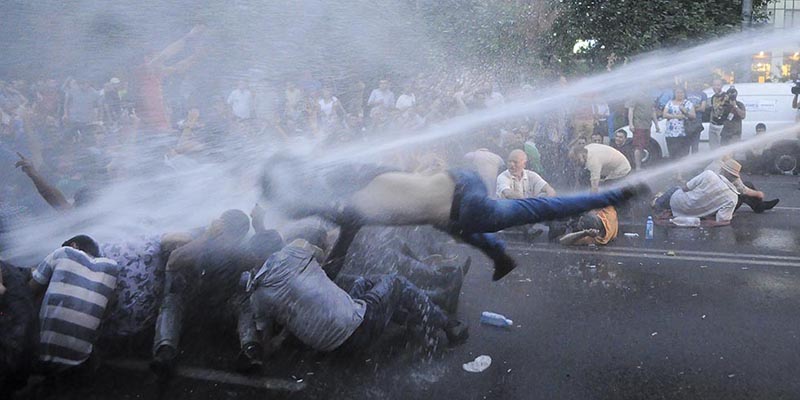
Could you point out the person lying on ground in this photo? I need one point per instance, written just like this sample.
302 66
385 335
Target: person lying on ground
707 194
456 202
599 226
291 289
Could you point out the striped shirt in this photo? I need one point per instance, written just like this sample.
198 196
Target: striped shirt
79 288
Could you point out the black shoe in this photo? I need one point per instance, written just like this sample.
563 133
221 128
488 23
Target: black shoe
250 358
163 364
502 266
636 190
766 205
457 332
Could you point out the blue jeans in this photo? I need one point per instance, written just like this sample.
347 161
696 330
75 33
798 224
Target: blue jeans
388 298
475 216
662 202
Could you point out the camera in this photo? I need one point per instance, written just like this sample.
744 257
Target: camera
796 87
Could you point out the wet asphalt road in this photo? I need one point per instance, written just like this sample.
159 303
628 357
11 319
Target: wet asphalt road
695 314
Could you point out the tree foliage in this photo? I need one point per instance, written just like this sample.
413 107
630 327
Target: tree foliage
544 32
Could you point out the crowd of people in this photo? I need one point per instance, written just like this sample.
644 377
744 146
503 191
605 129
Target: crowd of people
309 280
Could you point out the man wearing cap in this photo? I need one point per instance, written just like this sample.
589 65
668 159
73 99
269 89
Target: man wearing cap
707 194
747 191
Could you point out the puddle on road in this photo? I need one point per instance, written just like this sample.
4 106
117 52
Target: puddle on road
594 272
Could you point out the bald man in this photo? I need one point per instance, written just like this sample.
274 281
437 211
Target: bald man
455 201
518 183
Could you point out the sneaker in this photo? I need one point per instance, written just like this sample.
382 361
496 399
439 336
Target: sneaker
457 332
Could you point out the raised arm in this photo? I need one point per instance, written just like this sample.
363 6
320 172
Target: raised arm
49 193
176 47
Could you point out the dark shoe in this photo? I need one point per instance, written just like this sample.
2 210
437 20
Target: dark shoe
250 358
457 332
766 205
163 364
451 292
635 190
502 266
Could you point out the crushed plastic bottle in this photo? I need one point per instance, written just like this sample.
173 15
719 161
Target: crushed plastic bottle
495 319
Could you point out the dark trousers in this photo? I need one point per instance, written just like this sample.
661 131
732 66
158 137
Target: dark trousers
208 300
678 147
753 202
388 298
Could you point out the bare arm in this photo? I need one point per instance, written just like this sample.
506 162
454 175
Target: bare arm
49 193
577 238
741 112
549 191
175 48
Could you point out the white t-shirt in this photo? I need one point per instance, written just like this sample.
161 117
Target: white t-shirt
605 162
708 194
327 106
531 184
381 98
241 102
406 101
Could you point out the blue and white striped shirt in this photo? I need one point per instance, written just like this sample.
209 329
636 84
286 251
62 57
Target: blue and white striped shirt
79 288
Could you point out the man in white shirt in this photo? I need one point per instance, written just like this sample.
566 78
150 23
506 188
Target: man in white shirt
603 162
407 98
241 101
382 96
518 183
707 194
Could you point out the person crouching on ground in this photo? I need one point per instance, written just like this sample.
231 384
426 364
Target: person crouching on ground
292 290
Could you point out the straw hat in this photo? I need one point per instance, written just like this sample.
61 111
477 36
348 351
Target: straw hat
732 167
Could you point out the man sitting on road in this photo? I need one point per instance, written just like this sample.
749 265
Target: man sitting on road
707 194
455 201
293 290
604 163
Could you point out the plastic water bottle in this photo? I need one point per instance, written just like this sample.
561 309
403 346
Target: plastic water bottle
648 230
495 319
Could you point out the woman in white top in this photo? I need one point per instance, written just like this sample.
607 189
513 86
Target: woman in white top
677 111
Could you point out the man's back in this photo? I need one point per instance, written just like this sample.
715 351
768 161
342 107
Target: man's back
605 162
79 288
709 193
296 292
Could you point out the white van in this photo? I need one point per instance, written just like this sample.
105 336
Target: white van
767 103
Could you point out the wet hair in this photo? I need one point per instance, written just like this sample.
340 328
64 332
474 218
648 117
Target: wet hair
761 126
591 221
85 244
263 244
236 222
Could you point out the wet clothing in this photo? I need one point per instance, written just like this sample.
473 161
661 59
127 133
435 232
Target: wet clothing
140 285
709 194
608 216
79 288
531 184
474 216
294 290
